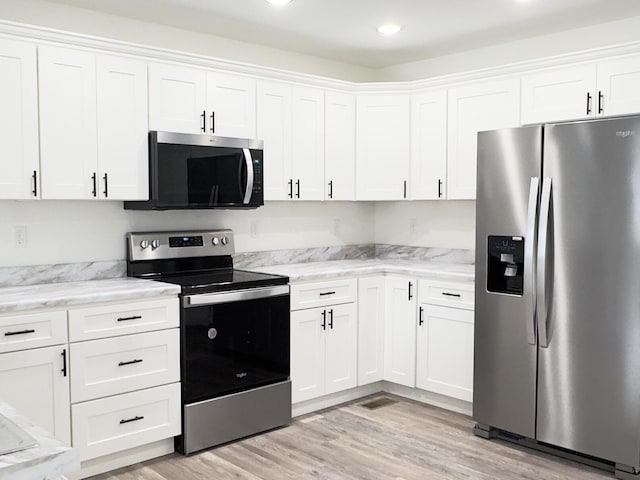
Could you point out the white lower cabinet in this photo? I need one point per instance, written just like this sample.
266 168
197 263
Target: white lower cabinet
444 355
400 331
371 296
324 345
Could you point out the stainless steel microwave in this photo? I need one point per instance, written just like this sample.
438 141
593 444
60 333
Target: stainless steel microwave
202 171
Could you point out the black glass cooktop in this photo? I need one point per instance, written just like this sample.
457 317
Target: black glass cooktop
222 280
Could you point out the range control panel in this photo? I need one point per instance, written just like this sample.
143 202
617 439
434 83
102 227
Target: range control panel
165 245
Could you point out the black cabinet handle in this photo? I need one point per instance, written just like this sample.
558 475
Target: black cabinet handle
331 189
130 362
420 314
20 332
135 317
64 362
600 101
447 294
588 103
331 319
324 319
94 191
410 290
106 186
322 294
35 183
290 182
405 189
298 188
204 121
439 188
213 122
129 420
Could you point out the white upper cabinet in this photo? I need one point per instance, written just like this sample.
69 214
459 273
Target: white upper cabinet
123 151
19 161
231 105
618 81
429 146
274 128
472 109
308 143
68 136
382 148
340 146
559 94
177 99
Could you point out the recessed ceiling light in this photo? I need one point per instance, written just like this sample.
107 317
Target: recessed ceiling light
279 3
389 29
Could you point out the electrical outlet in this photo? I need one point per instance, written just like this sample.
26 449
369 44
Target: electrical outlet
20 236
412 225
253 229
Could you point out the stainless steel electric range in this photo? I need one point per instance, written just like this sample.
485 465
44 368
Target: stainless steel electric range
234 329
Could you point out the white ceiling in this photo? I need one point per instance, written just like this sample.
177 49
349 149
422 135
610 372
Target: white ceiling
345 30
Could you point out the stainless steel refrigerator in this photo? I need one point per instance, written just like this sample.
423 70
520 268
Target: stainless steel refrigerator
557 315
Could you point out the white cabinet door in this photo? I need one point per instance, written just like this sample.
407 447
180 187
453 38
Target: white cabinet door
371 296
33 381
231 105
177 99
472 109
400 331
274 128
618 82
340 146
429 145
382 147
307 354
19 161
341 347
123 152
68 143
308 143
559 94
445 351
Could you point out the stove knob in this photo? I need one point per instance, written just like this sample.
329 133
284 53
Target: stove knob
225 240
155 244
144 244
215 241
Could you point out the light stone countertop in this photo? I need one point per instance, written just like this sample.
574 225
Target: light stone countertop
63 295
50 459
313 271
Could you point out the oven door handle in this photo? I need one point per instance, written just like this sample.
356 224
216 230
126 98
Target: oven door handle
250 176
236 296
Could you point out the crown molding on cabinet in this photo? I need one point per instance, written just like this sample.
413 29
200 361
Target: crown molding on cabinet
43 35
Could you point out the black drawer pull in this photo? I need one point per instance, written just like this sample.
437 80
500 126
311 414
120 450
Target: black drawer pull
64 362
135 317
322 294
21 332
129 420
131 362
447 294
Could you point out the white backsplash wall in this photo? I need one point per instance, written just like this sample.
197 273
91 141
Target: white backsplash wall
84 231
448 224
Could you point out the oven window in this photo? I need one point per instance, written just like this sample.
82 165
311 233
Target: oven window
236 346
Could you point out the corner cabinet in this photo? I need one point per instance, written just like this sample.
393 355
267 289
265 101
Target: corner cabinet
20 161
382 147
340 146
472 109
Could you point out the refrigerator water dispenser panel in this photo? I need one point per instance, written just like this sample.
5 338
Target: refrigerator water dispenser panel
505 264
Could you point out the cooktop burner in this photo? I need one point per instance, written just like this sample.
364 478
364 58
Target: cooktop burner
220 281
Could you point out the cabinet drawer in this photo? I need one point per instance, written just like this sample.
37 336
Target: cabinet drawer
113 424
123 364
448 294
20 332
122 319
318 294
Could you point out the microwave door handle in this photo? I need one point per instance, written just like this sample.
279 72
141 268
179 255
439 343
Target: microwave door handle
250 179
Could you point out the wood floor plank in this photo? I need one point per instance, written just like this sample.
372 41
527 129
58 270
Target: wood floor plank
403 440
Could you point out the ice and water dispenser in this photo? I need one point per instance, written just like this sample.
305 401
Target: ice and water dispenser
505 264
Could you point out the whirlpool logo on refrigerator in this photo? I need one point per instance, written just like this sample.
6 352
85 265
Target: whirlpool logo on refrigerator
625 133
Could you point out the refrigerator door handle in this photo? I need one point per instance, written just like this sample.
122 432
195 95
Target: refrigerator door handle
541 300
529 270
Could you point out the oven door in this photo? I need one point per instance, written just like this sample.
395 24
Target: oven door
234 341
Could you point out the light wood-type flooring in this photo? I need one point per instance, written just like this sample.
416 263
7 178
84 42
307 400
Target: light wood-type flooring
403 440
